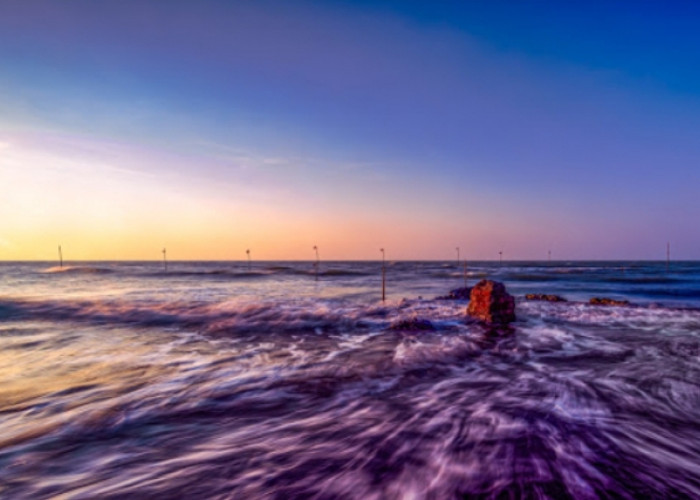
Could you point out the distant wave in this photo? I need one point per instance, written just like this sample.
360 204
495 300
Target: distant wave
329 272
223 273
344 272
220 317
77 270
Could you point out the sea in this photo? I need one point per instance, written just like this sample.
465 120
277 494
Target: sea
283 380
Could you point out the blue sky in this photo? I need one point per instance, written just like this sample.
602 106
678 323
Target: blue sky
417 126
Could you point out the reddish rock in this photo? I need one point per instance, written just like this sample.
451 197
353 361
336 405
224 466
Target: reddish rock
544 297
489 302
604 301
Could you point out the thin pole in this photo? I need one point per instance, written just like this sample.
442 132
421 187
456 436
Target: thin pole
465 274
165 261
317 261
383 275
549 255
668 255
248 253
457 256
500 257
60 257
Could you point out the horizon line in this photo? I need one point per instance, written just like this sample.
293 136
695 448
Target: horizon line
663 261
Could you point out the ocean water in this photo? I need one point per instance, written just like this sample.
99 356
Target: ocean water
224 380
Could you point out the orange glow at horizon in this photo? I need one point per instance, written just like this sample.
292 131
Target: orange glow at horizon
102 202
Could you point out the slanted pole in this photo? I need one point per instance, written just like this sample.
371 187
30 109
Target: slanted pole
318 262
383 275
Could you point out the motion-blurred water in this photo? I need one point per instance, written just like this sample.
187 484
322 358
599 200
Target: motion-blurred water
220 380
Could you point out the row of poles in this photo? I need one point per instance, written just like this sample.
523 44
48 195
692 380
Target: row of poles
317 264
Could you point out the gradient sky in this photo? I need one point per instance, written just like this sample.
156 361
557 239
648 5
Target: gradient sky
211 127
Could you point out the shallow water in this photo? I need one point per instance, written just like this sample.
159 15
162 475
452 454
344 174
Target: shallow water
220 380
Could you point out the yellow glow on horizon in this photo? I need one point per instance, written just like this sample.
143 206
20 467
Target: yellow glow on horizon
101 202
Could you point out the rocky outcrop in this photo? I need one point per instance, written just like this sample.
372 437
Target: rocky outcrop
544 297
490 303
462 293
604 301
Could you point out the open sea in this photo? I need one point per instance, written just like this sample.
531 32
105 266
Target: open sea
224 380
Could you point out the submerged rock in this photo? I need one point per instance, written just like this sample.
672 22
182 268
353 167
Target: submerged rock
462 293
413 324
604 301
545 297
489 302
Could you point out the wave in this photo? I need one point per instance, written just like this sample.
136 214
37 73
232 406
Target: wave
220 273
77 270
329 272
344 272
219 317
347 415
323 316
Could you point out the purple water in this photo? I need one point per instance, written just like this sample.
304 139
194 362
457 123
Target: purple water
216 380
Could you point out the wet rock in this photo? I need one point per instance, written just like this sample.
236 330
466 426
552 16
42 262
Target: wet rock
413 325
544 297
462 293
489 302
604 301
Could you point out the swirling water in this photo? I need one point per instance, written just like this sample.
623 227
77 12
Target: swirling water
224 380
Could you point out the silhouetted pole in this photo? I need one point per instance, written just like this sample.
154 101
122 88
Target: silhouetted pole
165 261
549 255
318 261
383 275
458 257
60 257
248 253
500 257
465 274
668 255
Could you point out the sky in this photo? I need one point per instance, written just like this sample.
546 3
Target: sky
212 127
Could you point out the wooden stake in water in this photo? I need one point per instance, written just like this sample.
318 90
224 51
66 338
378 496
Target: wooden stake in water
248 253
465 274
60 257
383 275
165 261
500 257
668 255
318 261
457 257
549 255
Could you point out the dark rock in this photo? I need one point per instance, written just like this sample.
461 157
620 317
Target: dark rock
544 297
489 302
462 293
413 325
604 301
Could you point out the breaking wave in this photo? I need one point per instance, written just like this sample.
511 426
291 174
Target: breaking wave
77 270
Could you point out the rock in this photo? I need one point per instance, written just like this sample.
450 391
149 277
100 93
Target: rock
462 293
413 324
489 302
604 301
544 297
